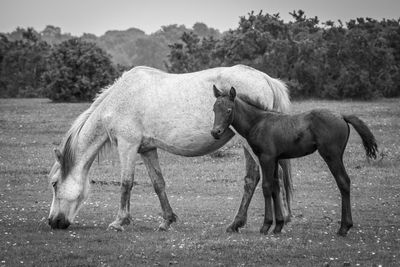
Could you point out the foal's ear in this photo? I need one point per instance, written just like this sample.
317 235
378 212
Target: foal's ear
58 154
217 93
232 93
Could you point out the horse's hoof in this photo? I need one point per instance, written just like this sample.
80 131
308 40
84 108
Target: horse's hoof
115 227
163 227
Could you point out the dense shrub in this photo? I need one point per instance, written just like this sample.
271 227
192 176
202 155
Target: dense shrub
22 62
77 71
361 60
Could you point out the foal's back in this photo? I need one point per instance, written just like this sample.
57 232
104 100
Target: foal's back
291 136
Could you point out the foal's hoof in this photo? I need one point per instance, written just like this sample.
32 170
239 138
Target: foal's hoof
344 230
264 229
342 233
116 227
277 230
232 229
278 226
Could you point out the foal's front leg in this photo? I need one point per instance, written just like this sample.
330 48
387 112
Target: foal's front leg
268 171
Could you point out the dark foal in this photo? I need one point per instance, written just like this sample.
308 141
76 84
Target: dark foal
274 136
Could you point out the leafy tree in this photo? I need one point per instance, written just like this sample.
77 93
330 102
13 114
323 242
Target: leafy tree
22 62
77 71
361 60
191 55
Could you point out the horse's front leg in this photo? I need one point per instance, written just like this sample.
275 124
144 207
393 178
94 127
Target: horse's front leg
250 183
128 156
150 159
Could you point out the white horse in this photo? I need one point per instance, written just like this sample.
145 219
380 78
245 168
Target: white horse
147 109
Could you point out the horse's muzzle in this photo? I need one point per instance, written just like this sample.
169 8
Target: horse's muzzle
216 133
59 222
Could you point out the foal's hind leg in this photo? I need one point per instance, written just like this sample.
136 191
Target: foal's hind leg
335 164
150 159
278 202
128 156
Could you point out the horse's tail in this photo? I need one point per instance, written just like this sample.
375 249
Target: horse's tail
287 181
281 95
368 139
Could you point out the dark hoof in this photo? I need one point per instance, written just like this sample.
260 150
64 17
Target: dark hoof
342 233
277 230
126 221
278 227
344 229
232 229
264 229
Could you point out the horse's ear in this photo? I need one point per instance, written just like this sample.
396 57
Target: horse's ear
58 154
232 93
217 93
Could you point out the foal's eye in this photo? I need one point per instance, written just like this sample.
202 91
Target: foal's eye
229 111
54 184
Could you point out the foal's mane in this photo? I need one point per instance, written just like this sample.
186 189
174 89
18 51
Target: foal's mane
251 102
69 145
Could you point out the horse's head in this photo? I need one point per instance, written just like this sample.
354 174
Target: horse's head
69 192
223 111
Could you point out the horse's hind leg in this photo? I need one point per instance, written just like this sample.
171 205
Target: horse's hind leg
250 183
128 156
335 164
150 159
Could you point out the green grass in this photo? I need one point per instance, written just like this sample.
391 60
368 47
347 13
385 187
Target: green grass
205 193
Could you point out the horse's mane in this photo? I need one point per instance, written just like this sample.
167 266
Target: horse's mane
69 144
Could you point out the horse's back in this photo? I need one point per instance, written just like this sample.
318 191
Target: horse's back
175 110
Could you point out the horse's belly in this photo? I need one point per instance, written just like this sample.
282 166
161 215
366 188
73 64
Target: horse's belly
187 144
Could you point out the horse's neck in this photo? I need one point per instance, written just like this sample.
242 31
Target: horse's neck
245 117
90 139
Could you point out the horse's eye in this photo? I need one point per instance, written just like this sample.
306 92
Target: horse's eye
54 184
229 111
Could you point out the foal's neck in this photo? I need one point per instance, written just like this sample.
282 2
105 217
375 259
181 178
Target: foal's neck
245 117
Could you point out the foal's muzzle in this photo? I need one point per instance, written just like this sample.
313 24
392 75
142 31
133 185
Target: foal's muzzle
59 222
216 133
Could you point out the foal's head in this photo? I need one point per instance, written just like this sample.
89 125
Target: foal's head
223 111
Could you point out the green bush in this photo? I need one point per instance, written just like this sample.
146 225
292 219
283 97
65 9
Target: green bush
77 71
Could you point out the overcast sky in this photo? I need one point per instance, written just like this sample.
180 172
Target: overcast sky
98 16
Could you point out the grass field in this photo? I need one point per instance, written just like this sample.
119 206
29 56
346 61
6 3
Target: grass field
205 193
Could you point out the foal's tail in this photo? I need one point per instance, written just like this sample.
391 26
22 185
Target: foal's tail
368 139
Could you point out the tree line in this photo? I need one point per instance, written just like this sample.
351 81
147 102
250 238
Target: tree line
359 59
